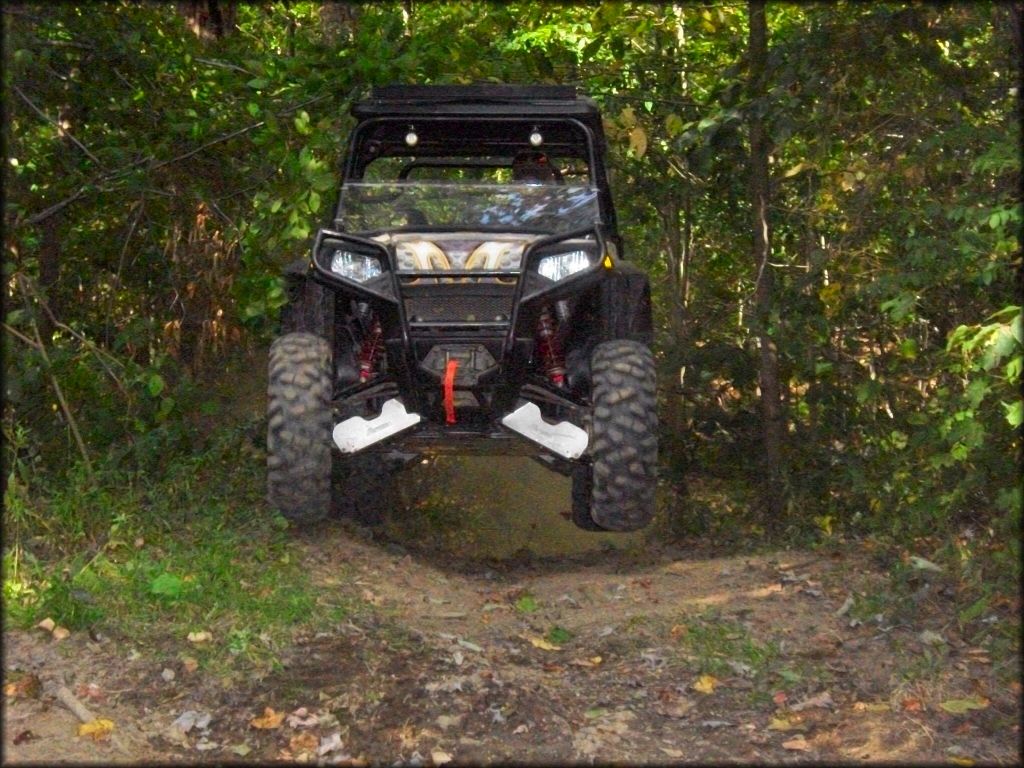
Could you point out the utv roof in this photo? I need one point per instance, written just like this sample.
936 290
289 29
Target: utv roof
490 99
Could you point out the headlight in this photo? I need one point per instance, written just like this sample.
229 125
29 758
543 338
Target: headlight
355 266
561 265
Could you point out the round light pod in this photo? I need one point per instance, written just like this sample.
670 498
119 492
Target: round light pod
536 139
411 138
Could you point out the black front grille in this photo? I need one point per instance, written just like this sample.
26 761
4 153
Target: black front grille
466 304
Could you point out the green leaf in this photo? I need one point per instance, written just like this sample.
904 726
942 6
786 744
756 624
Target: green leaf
973 611
166 585
558 635
976 392
155 385
962 706
257 83
314 201
591 48
527 604
673 125
1014 413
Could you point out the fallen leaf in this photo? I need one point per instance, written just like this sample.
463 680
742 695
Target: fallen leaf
540 642
47 624
25 687
90 691
241 749
440 757
822 700
798 743
595 712
674 709
961 761
779 698
961 706
785 724
190 664
371 598
303 742
444 722
671 752
705 684
301 718
678 630
60 633
924 565
96 729
744 670
911 705
845 607
865 706
715 724
268 721
190 719
522 728
593 661
24 736
330 743
931 638
168 674
200 637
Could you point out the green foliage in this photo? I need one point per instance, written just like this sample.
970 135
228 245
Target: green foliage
178 176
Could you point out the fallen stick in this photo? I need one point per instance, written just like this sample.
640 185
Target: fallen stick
69 700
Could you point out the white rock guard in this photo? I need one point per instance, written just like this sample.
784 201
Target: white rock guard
563 438
356 433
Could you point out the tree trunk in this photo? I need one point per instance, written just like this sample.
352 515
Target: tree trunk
338 22
768 377
209 19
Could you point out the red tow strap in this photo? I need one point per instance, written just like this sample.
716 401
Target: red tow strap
449 391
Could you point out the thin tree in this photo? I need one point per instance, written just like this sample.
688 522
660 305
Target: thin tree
772 467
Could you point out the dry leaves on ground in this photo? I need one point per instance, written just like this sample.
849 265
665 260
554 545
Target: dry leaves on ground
269 720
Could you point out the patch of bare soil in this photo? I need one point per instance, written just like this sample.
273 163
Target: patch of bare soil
660 655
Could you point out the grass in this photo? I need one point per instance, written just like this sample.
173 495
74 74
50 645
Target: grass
153 559
712 642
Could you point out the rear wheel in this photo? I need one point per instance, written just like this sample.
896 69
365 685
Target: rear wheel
299 427
624 430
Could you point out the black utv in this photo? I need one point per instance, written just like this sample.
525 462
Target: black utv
470 296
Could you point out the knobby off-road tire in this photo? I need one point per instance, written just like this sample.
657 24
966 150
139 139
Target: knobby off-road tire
299 427
624 434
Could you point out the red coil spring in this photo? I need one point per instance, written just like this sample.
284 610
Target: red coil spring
550 349
370 351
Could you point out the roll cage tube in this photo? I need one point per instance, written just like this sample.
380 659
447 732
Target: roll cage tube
358 157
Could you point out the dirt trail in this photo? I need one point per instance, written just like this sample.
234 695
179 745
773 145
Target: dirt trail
633 655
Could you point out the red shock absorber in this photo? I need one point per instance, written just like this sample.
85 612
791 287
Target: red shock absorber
370 351
550 349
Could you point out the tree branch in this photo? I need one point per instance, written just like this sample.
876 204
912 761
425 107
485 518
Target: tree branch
56 123
115 174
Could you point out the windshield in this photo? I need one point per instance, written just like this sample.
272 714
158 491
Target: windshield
542 208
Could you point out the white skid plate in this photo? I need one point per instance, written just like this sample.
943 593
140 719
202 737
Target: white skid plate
352 435
563 438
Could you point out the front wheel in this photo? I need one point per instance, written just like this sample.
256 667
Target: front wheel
299 427
624 436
